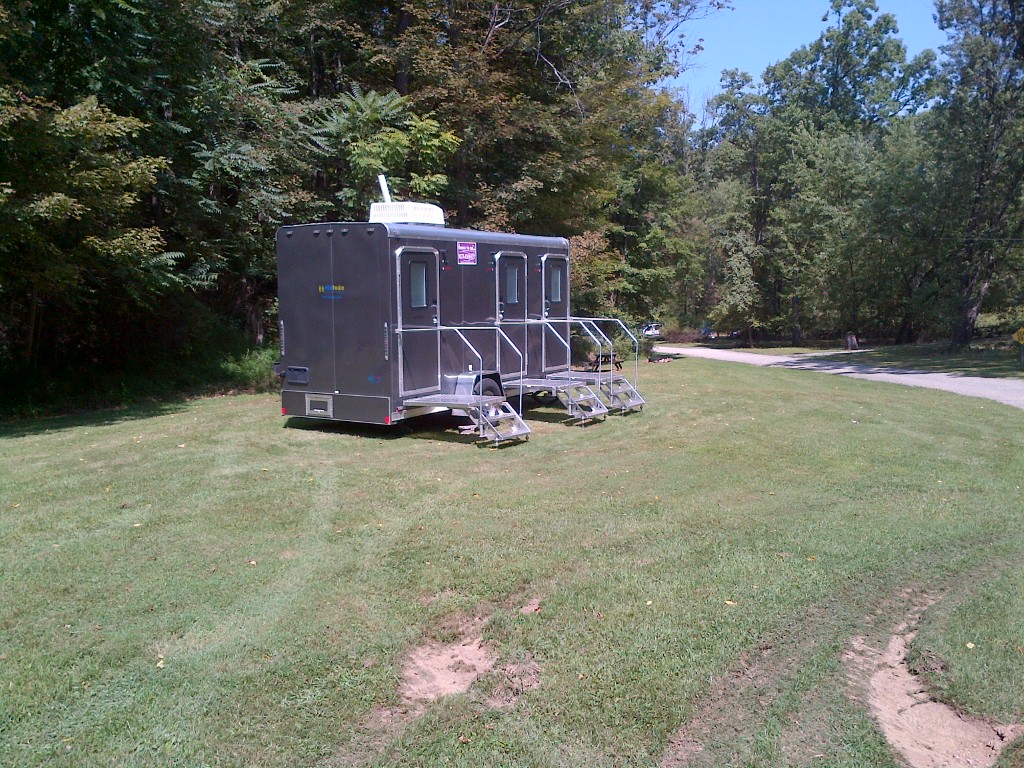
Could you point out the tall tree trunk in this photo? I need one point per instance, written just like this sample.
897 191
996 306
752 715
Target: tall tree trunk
316 68
907 333
973 296
796 331
32 337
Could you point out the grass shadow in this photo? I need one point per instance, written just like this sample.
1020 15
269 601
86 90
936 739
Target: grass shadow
981 362
34 425
353 429
546 416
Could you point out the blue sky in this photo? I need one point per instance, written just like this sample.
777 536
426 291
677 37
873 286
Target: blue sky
760 32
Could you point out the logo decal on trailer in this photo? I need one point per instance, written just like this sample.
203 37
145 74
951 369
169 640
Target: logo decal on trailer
329 291
467 254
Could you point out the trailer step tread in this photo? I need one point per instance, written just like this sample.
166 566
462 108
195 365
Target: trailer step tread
620 395
454 401
582 402
498 422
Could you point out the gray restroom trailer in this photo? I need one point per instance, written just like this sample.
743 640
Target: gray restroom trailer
384 320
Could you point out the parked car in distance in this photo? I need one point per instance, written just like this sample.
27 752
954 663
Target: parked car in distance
653 331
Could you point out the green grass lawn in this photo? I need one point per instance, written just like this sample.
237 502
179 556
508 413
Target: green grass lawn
198 584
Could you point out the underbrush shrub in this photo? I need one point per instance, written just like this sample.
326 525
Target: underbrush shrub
683 335
999 324
251 370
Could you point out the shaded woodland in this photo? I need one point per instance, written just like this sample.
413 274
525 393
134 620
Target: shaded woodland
150 148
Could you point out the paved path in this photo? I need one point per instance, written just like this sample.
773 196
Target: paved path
1008 391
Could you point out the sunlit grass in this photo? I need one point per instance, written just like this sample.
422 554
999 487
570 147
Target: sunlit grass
199 584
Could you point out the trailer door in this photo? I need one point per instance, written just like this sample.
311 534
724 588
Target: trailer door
510 295
419 339
555 279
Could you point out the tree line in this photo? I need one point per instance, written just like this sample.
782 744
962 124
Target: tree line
150 148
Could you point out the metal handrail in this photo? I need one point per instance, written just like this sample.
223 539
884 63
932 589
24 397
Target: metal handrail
625 330
564 342
588 328
522 361
590 322
636 346
458 329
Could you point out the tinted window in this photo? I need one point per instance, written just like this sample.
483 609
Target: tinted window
511 284
417 284
555 288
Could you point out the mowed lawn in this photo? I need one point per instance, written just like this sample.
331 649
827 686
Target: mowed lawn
198 584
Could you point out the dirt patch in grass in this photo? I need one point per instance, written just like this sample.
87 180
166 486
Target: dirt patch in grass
927 733
431 670
533 605
516 678
437 669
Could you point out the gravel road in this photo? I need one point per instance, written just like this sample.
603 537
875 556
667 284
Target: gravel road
1008 391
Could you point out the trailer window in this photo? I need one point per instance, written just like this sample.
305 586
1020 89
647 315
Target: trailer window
511 285
555 289
417 284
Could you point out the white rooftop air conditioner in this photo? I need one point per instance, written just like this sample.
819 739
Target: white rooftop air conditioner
406 213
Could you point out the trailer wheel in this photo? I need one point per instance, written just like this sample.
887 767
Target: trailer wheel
487 388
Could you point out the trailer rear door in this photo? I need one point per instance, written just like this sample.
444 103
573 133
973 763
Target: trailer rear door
419 339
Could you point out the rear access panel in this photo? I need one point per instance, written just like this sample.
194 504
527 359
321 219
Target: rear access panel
324 405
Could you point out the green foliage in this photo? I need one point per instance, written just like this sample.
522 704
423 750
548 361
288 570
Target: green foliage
855 73
979 139
70 234
883 194
363 134
150 358
152 149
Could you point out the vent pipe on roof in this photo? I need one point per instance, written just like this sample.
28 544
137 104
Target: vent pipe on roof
383 181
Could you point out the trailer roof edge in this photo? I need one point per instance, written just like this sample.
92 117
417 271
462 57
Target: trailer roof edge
436 232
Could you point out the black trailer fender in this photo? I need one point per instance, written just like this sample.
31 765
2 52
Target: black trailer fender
474 383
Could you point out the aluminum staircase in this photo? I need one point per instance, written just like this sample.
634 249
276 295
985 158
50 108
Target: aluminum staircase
620 395
616 392
579 398
497 422
494 419
581 401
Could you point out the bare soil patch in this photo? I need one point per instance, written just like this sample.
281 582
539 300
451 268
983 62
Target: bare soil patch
533 605
926 732
516 678
434 669
437 669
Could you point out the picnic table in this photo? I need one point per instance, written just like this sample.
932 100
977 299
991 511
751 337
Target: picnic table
604 361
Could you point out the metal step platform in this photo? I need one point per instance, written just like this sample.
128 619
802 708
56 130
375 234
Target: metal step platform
582 402
620 395
615 389
498 422
493 417
578 397
590 378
